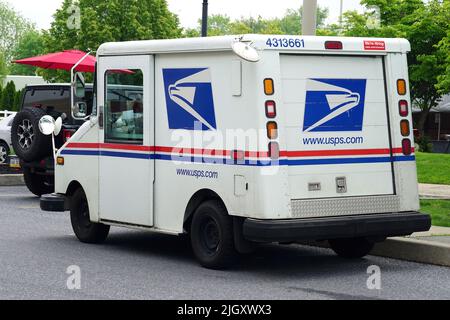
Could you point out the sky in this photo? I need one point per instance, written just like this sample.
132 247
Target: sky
189 11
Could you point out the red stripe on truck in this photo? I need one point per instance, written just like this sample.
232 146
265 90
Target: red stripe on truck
227 153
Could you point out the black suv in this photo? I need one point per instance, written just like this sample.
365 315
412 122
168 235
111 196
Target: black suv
30 145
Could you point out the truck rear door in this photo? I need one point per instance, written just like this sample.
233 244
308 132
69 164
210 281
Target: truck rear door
337 127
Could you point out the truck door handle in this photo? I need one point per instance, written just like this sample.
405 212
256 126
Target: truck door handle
100 117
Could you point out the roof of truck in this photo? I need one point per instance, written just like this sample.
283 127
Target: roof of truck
223 43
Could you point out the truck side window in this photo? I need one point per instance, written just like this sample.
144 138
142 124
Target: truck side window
124 106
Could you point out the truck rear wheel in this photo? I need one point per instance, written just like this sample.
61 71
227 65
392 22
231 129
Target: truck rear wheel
85 230
37 184
351 248
212 236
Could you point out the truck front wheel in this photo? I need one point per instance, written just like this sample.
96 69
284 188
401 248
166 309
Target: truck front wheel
351 248
85 230
212 236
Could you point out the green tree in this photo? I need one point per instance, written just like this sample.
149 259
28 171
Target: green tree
8 96
18 100
102 21
30 45
424 24
290 23
12 27
3 68
444 54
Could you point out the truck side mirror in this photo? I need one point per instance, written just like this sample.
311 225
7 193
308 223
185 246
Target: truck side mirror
79 111
79 85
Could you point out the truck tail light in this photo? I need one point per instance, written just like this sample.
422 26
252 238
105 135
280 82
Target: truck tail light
274 150
271 109
404 128
269 88
403 108
333 45
272 130
401 87
406 147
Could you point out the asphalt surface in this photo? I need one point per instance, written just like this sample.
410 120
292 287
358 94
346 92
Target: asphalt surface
36 248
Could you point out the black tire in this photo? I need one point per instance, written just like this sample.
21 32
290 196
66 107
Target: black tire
4 153
38 184
28 142
351 248
85 230
212 236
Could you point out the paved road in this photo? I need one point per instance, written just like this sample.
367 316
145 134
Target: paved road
36 248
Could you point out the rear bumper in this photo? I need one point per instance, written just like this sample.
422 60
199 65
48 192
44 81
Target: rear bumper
375 225
54 202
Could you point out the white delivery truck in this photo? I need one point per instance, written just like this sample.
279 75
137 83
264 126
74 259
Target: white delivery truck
244 140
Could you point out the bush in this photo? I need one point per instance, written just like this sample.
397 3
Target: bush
8 96
425 144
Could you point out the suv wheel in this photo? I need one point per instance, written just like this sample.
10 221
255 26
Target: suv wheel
4 153
36 183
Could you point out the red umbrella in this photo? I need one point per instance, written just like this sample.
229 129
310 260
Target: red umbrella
64 60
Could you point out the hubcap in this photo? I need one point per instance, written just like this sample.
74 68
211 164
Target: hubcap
210 235
3 154
25 132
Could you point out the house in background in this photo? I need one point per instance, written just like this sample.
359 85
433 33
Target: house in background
22 81
437 126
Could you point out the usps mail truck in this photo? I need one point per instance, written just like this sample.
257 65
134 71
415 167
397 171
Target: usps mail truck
240 140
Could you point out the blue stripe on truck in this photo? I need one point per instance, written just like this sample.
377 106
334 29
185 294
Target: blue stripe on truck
258 163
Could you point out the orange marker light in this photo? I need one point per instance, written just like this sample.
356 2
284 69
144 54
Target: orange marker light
269 88
272 130
401 87
404 128
60 161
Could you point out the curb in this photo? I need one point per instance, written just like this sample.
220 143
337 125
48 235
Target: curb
8 180
408 249
414 250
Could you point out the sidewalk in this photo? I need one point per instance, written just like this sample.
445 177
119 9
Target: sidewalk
8 180
434 191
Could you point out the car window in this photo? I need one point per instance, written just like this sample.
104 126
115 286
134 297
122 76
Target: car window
57 100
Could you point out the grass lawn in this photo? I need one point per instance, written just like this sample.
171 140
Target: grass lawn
439 210
433 168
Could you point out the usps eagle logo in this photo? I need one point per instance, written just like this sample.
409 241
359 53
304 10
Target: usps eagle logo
334 105
189 99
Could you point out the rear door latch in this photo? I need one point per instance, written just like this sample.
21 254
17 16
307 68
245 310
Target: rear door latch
341 185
